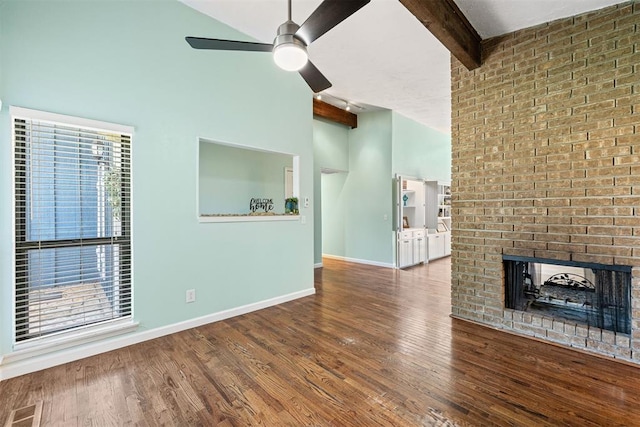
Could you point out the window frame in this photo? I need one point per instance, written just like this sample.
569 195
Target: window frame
22 244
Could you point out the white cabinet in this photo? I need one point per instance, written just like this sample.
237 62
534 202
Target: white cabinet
410 203
422 207
419 247
447 244
436 246
405 252
438 218
412 248
444 204
439 245
438 206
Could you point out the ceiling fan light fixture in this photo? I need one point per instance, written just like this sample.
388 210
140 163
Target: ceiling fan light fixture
289 49
290 56
289 52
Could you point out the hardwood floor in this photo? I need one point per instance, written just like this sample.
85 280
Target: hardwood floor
374 346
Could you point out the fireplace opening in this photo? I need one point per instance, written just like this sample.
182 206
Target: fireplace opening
594 294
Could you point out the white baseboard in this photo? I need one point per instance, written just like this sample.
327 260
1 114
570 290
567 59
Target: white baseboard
359 261
13 366
318 265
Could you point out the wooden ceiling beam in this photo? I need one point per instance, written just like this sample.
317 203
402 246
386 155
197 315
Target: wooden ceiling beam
335 114
449 25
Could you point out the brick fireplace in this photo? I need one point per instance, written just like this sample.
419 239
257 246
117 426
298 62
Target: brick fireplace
546 164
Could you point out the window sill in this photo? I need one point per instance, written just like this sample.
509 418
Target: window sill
63 341
247 218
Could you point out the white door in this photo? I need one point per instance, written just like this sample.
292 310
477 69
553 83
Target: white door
419 249
436 246
447 243
405 253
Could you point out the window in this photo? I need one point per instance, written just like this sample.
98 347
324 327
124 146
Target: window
72 223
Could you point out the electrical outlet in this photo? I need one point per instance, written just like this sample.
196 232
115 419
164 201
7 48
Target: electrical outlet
303 219
191 295
306 202
385 217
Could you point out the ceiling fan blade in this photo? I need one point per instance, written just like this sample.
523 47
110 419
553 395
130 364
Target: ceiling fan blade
220 44
314 78
329 14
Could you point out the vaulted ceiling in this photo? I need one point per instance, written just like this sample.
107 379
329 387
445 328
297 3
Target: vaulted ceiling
382 56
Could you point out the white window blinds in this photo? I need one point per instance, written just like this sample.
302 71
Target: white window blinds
72 223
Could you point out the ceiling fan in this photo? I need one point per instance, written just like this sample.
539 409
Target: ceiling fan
290 45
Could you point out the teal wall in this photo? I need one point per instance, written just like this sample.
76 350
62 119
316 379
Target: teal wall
368 189
229 177
331 151
351 206
351 220
127 62
420 151
331 145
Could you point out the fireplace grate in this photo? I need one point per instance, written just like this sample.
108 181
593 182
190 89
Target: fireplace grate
595 294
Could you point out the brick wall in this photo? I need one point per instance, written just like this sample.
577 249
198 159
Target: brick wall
546 163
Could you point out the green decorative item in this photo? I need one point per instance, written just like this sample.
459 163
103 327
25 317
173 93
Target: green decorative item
291 205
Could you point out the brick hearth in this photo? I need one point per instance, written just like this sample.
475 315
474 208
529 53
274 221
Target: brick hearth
546 163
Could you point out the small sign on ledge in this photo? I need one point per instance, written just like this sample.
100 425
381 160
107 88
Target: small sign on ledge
261 204
261 209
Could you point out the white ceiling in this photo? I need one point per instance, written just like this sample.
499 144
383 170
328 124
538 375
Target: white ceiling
495 17
382 56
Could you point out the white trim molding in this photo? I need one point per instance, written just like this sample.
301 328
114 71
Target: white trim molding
69 120
359 261
247 218
21 363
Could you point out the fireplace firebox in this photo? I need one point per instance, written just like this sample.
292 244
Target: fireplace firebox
593 294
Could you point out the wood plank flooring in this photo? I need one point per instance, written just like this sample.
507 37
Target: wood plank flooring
373 347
